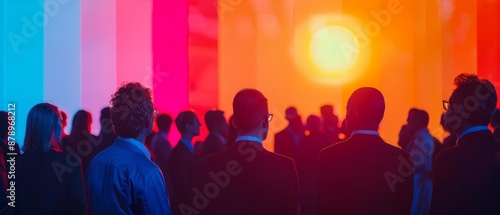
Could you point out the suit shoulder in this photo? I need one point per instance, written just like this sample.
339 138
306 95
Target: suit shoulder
335 148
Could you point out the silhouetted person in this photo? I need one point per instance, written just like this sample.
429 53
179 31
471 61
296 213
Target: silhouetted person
47 181
106 136
466 177
64 124
495 123
246 178
450 140
160 145
217 128
80 141
231 133
330 124
420 144
287 142
307 162
364 175
122 179
182 163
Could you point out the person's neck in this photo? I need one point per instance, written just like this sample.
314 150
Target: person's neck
187 137
251 133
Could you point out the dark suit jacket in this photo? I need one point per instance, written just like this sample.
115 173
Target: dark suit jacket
466 177
211 145
47 184
181 169
364 175
248 180
497 134
285 145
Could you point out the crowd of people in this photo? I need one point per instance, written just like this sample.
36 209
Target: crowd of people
316 168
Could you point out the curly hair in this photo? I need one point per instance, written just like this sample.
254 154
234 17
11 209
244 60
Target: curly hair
131 110
478 96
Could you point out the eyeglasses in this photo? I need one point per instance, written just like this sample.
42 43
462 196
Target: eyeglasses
446 104
155 113
269 117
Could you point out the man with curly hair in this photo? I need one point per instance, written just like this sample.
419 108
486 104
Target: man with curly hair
122 179
467 177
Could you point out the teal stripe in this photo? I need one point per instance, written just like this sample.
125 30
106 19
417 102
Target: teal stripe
23 58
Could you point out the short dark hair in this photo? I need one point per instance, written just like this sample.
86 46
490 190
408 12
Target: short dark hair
369 104
164 122
4 124
105 113
80 123
421 117
41 133
477 96
213 118
184 118
249 108
131 110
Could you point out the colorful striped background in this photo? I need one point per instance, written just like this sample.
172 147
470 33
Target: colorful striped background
75 53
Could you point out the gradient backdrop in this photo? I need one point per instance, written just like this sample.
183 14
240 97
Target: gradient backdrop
196 54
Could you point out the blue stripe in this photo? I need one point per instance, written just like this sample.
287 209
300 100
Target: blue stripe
23 58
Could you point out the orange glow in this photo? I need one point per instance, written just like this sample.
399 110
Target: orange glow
410 50
328 49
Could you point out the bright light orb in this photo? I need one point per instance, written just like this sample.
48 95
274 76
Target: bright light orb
334 49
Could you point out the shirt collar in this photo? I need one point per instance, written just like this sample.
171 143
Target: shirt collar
368 132
472 130
188 145
249 138
137 144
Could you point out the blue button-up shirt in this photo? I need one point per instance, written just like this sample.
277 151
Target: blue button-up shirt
123 180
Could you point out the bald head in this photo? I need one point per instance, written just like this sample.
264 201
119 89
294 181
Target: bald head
365 109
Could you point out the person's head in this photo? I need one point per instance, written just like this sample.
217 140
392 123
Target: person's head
365 109
4 124
64 119
495 121
313 123
105 120
216 122
472 103
43 129
132 111
81 123
251 115
188 124
293 117
164 122
417 119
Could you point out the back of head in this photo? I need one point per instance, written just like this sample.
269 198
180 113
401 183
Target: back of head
132 110
81 123
4 124
365 108
291 113
164 122
105 114
419 118
249 110
64 118
475 97
184 119
313 123
326 110
214 118
43 129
